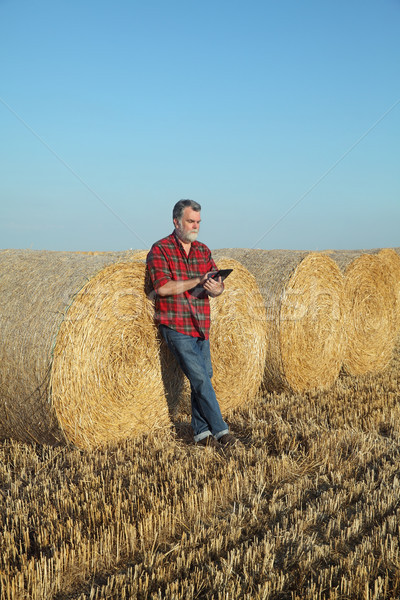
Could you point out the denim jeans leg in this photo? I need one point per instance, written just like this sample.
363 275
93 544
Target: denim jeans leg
193 356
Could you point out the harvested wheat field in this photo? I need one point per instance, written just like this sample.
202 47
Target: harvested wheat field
307 508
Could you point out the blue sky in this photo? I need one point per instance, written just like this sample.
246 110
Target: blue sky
282 118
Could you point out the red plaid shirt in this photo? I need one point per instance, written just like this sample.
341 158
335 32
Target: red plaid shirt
188 313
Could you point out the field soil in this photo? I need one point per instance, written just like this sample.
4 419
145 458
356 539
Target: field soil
306 508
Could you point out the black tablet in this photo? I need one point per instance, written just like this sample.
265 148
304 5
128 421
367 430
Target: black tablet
223 273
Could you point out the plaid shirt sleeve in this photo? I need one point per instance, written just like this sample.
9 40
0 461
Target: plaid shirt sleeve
158 267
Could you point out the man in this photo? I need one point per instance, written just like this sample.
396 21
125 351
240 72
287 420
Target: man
179 268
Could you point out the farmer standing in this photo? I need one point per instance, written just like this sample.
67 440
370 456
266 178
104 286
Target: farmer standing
179 267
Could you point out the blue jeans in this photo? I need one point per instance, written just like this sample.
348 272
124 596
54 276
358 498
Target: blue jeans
193 356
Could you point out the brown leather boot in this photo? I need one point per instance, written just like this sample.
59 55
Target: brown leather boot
208 442
228 440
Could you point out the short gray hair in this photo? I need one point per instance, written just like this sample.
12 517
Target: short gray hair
180 206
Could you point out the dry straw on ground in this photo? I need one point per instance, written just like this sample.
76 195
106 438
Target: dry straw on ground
307 509
304 302
371 317
92 314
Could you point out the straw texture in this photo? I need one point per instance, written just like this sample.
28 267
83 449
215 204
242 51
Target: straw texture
303 295
59 303
108 341
140 254
237 337
392 260
91 252
371 319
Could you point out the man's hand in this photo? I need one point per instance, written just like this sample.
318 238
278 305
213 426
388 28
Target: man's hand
213 287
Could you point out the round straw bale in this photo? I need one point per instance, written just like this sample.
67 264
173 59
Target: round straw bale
108 340
90 252
304 302
140 254
80 356
392 259
370 323
237 342
237 337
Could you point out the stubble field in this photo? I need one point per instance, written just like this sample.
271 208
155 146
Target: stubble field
307 508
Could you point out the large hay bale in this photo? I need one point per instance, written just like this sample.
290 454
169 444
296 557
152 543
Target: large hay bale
140 254
79 351
90 252
303 295
237 337
392 259
371 318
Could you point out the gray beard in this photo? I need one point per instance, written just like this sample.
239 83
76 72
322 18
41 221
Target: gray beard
186 237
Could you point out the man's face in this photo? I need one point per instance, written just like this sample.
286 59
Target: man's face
187 230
